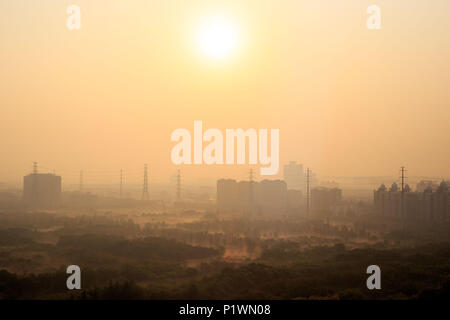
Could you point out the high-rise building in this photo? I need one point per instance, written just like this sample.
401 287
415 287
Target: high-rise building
427 184
424 204
267 196
294 176
227 194
42 190
295 199
273 196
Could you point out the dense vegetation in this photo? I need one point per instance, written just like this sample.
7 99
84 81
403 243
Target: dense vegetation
282 259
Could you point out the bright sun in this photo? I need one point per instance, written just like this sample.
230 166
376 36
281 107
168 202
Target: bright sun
217 38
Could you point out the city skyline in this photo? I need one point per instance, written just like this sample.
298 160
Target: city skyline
294 174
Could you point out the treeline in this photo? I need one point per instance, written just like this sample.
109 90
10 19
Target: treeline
16 236
153 248
320 273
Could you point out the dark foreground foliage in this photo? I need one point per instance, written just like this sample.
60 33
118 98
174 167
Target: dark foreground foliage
318 273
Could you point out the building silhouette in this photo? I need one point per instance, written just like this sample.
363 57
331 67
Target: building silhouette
294 176
42 190
227 195
324 199
273 196
427 184
295 201
426 204
267 196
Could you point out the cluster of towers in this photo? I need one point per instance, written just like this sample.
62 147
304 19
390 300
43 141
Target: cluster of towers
265 196
402 203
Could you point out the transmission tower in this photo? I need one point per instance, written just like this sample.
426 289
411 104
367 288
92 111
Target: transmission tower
179 184
145 195
403 177
307 190
34 182
402 202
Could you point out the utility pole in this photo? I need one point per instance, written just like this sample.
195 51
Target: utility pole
145 186
307 190
35 168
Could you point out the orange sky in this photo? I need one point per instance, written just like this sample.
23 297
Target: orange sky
347 101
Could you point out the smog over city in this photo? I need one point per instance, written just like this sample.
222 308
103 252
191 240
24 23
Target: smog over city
192 151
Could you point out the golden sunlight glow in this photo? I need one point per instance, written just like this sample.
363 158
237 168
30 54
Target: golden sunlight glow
217 38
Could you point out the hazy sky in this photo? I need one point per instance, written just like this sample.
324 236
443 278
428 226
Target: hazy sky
347 100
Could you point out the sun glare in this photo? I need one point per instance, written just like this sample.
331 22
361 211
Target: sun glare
217 38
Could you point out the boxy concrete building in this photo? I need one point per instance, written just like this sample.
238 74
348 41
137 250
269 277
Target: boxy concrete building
42 190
